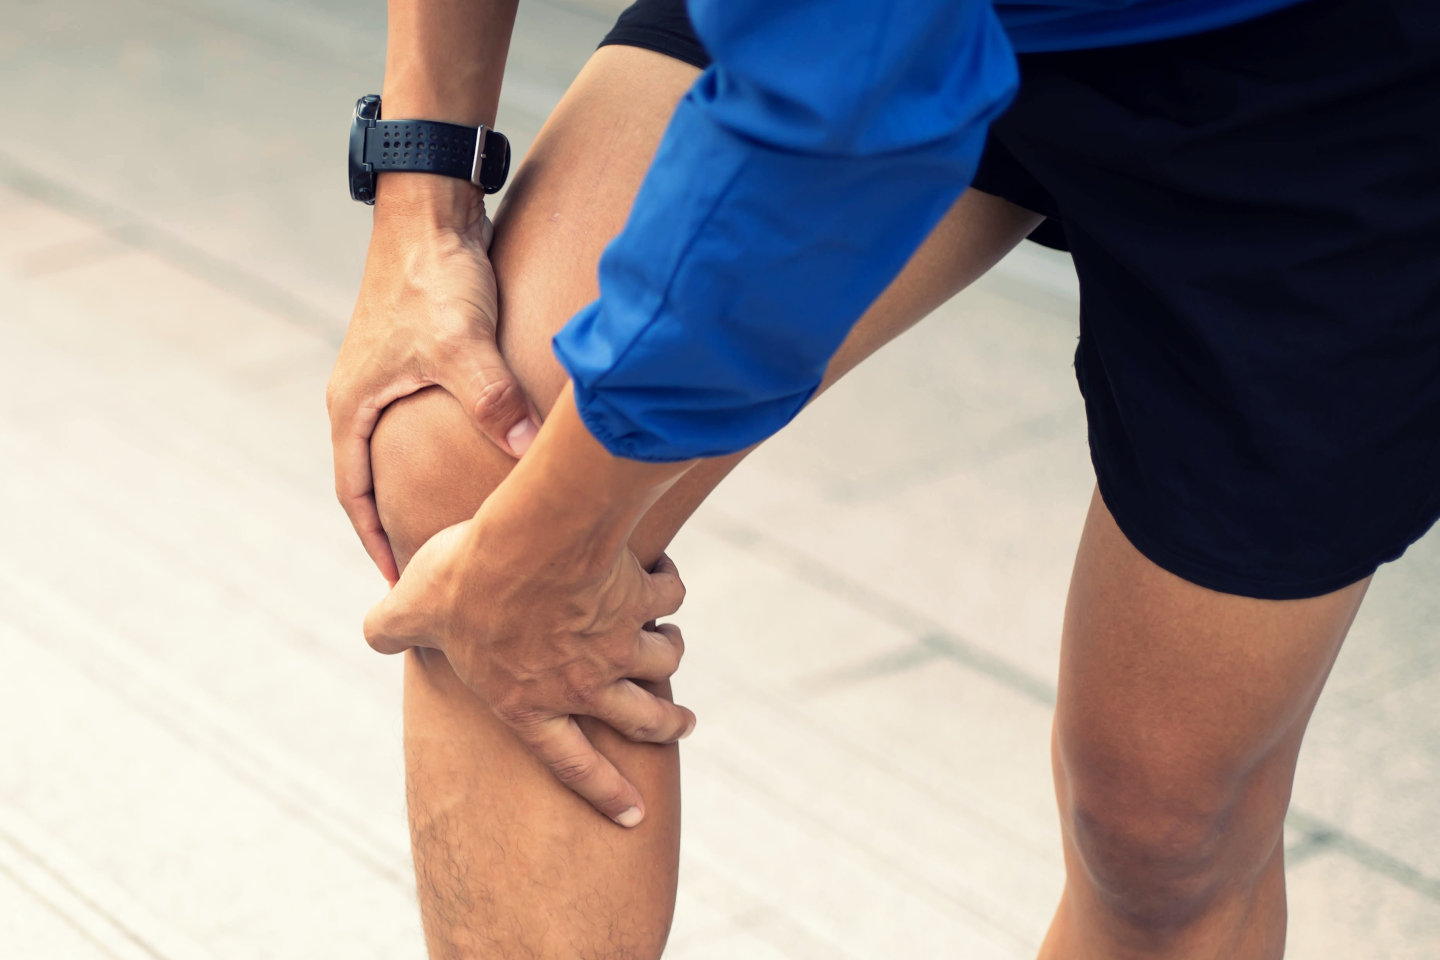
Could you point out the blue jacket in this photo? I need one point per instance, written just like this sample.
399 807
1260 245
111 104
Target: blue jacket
796 178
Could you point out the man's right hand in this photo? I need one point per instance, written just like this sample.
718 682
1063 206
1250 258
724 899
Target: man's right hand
426 315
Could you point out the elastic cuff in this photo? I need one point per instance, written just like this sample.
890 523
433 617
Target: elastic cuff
616 446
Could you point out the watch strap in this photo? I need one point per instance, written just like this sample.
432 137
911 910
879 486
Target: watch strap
477 154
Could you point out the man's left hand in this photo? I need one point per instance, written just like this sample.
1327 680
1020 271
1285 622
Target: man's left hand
542 638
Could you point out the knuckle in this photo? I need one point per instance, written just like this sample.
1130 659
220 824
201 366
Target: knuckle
668 717
351 503
497 397
517 713
651 721
579 686
573 769
340 403
580 691
669 596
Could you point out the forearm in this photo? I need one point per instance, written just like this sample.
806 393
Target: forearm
444 60
570 498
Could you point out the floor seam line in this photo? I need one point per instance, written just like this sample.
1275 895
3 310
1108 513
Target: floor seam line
1367 855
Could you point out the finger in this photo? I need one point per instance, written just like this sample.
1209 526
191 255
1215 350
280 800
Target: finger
492 396
666 590
640 715
563 747
354 488
657 653
351 424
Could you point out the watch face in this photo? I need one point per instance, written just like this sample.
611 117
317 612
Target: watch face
362 175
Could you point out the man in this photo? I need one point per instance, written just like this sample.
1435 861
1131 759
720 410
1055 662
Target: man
1251 192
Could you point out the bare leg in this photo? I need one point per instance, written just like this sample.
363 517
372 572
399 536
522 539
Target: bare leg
509 863
1177 728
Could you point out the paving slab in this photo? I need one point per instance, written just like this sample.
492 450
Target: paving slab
224 864
1396 637
978 557
752 617
1370 770
1339 908
31 926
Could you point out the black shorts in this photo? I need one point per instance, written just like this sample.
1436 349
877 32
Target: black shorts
1254 216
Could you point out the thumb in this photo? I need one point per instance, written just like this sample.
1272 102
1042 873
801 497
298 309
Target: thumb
494 399
409 615
383 626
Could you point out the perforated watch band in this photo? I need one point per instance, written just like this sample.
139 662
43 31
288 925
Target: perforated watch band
479 155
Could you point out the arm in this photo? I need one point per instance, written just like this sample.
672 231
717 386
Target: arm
796 179
573 500
426 311
444 60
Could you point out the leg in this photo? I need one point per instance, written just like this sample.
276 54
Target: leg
1177 728
509 863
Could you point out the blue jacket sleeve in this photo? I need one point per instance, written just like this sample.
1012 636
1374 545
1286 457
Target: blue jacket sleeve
795 180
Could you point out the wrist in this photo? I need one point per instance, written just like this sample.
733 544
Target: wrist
539 524
568 500
427 200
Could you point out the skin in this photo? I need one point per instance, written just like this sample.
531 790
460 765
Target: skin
479 898
1178 723
546 615
1180 710
444 60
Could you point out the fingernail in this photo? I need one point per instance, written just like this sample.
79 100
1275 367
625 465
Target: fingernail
630 817
689 729
521 436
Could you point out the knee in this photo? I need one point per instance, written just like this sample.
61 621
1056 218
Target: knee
1153 863
431 468
1157 842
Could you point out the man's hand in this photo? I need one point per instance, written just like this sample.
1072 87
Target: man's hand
426 315
541 638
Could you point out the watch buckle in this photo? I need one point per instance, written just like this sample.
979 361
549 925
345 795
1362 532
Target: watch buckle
479 155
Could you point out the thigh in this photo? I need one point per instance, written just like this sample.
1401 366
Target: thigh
1178 723
1213 680
504 854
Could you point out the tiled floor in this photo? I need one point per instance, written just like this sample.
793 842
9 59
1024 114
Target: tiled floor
199 758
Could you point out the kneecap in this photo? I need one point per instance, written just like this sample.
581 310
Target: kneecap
431 468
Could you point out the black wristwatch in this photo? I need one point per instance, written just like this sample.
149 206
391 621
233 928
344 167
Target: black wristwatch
477 154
